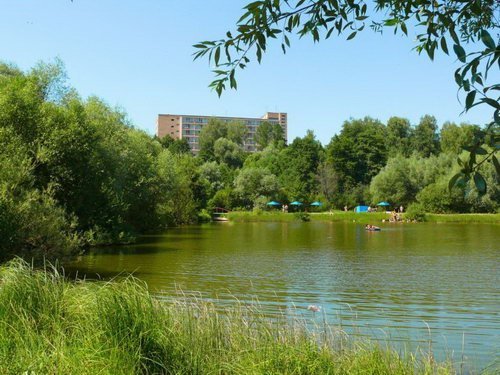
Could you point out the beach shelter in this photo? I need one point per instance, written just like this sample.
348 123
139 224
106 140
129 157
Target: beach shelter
358 209
296 203
384 204
274 204
316 204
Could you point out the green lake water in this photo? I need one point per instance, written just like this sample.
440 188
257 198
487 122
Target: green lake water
389 285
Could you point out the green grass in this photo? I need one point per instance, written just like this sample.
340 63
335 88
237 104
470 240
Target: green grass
350 216
250 216
51 326
362 218
463 218
278 216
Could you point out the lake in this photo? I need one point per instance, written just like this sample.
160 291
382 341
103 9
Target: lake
409 283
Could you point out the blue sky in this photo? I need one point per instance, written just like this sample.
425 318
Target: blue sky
138 55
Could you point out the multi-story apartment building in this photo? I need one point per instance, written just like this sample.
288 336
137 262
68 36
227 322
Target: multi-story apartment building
189 126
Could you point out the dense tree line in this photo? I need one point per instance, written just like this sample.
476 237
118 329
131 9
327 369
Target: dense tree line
367 162
75 172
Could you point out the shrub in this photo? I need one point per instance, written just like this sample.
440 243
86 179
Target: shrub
302 216
437 198
415 211
204 216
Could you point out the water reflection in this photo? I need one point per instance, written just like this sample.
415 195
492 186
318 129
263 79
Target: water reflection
391 283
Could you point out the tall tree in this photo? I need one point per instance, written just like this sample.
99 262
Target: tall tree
454 138
358 152
425 139
216 129
229 153
267 134
300 164
251 183
440 24
399 132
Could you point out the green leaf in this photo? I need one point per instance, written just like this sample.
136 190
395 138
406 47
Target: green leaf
217 56
481 151
491 102
487 40
460 52
480 183
453 181
458 77
391 22
454 35
469 100
444 46
466 84
404 29
430 51
352 35
245 15
496 116
233 83
496 164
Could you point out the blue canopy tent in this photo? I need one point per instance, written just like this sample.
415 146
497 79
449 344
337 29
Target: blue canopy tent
316 204
383 203
274 204
359 209
296 203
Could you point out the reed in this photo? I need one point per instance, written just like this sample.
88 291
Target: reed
49 325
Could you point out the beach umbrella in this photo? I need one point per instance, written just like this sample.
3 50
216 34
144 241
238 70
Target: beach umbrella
383 204
296 203
317 204
273 203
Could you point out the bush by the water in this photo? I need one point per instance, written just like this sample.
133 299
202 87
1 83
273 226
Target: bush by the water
302 216
75 171
51 326
415 211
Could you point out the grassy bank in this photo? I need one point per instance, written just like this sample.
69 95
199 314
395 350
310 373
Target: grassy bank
362 218
463 218
51 326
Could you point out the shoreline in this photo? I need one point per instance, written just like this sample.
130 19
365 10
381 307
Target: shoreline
119 327
362 218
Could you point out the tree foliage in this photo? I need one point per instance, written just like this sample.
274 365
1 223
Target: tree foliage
75 171
217 129
426 137
268 134
359 152
458 27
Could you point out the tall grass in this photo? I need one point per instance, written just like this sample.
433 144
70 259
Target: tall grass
51 326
